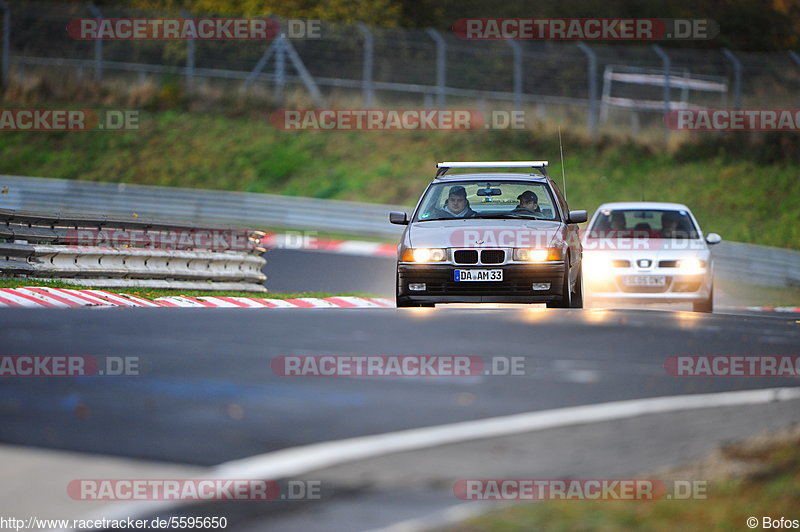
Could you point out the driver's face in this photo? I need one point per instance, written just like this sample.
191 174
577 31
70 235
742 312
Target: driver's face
457 203
529 204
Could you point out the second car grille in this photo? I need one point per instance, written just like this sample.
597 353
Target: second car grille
493 256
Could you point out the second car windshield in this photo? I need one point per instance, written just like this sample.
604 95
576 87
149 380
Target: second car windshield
492 199
643 223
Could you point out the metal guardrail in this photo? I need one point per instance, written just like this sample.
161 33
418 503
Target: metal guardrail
757 265
97 250
199 206
751 264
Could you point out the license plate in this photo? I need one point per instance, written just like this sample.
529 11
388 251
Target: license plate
644 280
478 275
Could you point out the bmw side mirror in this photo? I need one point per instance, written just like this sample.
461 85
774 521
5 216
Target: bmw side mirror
713 238
578 217
398 218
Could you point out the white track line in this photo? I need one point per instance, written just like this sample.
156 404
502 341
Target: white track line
296 461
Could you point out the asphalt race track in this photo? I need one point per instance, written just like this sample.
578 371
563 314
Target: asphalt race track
206 392
318 271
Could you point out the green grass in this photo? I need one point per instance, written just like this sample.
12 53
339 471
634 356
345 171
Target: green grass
772 489
153 293
745 188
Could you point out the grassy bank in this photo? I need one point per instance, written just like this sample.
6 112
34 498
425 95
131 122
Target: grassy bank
747 189
757 478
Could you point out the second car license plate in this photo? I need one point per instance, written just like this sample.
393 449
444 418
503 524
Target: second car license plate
478 275
645 280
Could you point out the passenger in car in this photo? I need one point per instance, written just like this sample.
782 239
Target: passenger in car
528 203
669 225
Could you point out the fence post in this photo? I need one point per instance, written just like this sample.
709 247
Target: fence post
667 65
517 74
795 57
189 57
98 47
366 76
737 78
592 73
260 64
280 68
302 71
441 65
6 42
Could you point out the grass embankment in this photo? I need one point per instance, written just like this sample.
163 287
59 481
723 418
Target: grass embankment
153 293
745 188
758 478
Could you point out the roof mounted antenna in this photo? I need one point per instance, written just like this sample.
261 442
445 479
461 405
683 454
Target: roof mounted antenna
563 174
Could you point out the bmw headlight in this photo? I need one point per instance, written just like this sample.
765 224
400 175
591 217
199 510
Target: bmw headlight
424 255
537 254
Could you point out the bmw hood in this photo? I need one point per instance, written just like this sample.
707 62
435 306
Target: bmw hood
484 233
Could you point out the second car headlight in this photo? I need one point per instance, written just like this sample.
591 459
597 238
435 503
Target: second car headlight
691 265
424 255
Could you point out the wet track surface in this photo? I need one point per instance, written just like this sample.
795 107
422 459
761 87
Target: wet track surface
206 392
317 271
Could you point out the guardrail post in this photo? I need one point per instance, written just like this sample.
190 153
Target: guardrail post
737 78
189 57
366 76
6 42
441 66
592 74
667 65
98 47
517 74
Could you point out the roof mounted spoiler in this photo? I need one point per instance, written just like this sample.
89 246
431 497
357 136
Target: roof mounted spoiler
443 167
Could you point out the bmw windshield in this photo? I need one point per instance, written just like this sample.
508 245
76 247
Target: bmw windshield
487 199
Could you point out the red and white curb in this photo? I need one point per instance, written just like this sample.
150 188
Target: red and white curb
328 245
769 309
46 297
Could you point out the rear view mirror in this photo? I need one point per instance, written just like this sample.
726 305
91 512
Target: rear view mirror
713 238
577 217
398 218
489 192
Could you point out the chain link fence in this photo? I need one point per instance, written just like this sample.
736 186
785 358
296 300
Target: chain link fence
389 67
